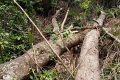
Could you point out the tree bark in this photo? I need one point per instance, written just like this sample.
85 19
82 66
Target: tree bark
88 61
39 55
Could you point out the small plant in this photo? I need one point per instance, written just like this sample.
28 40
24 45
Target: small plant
44 75
85 4
112 70
113 12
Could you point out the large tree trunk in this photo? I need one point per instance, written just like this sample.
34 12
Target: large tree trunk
39 55
88 61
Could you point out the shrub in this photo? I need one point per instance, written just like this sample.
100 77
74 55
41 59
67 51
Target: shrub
13 31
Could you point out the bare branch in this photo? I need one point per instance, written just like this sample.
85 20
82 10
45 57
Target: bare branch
111 35
62 25
54 22
57 31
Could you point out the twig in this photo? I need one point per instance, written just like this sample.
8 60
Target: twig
41 35
57 12
54 22
55 25
62 25
111 35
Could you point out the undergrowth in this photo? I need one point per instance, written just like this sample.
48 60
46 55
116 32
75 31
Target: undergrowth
13 32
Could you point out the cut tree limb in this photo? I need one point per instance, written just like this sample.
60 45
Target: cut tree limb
88 61
101 19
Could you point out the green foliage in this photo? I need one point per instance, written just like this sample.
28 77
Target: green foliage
66 33
27 5
13 31
84 8
88 7
106 4
54 3
14 35
44 75
85 4
54 37
94 7
112 70
4 39
113 12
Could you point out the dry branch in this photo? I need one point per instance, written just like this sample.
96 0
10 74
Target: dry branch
62 25
54 21
111 35
57 31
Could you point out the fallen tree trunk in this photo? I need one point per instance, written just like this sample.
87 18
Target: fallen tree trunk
88 61
39 55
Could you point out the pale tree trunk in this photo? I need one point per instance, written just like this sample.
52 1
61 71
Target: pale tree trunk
89 61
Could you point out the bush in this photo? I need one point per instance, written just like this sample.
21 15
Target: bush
14 35
13 31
